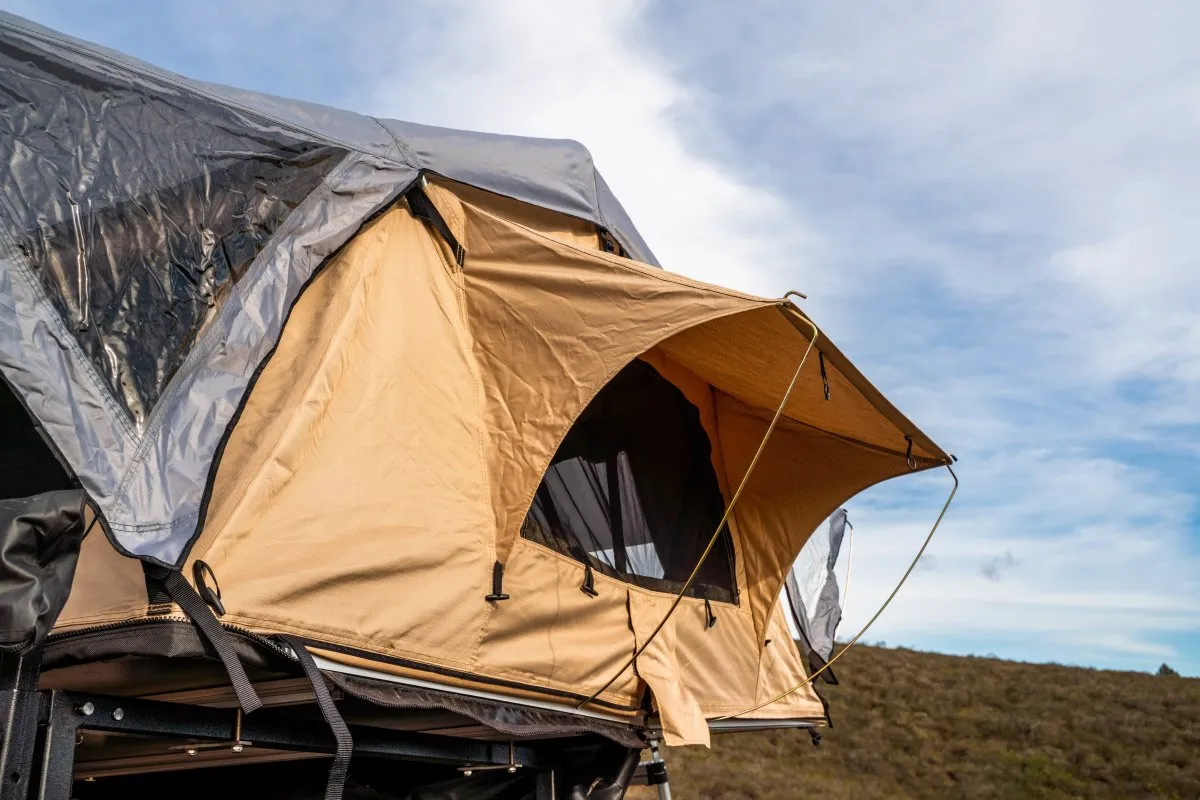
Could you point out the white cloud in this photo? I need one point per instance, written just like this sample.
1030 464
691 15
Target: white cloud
1068 556
580 70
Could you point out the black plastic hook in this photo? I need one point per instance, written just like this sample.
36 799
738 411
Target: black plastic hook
201 572
589 582
497 584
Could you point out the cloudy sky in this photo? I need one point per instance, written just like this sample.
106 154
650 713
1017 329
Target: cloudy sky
993 208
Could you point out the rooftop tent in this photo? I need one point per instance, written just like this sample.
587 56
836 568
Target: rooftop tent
421 399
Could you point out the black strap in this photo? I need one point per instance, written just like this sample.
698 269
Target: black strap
202 617
710 619
157 600
423 208
824 377
340 767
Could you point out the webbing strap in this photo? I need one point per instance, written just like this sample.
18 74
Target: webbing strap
202 617
345 743
423 208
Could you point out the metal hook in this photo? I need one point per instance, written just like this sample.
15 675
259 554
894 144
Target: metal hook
908 454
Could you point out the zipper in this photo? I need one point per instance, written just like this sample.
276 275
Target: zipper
535 729
174 619
270 643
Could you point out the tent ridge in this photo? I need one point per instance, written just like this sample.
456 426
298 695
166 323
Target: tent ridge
182 83
401 147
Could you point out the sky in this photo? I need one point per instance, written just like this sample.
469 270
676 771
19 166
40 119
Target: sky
992 207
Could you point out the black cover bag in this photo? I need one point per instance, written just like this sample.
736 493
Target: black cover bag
40 538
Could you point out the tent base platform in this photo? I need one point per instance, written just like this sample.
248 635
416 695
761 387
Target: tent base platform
60 744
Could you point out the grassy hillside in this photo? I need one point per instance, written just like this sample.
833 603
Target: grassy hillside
922 725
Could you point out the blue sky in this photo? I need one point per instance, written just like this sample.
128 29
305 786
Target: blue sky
991 205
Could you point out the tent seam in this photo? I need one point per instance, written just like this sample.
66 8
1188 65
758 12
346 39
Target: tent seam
236 494
203 347
401 147
72 344
631 264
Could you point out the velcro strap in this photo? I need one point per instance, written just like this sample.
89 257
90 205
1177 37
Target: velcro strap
423 208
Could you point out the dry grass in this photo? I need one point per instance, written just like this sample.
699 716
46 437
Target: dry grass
923 725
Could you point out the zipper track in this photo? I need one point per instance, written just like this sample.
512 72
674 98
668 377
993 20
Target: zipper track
534 731
174 619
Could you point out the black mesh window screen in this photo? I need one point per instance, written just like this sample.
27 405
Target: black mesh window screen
633 493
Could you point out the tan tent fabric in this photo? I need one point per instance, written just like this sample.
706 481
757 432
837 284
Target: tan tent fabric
552 324
108 587
569 230
361 447
733 354
390 449
792 491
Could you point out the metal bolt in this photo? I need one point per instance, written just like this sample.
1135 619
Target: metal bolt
468 772
237 748
191 751
87 709
118 714
512 769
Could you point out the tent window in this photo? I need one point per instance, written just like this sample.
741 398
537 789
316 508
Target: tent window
27 464
633 493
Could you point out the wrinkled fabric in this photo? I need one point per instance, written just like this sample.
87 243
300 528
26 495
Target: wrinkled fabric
155 233
137 207
812 590
355 423
159 506
40 538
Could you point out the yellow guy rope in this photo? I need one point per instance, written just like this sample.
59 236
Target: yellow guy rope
870 622
728 510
